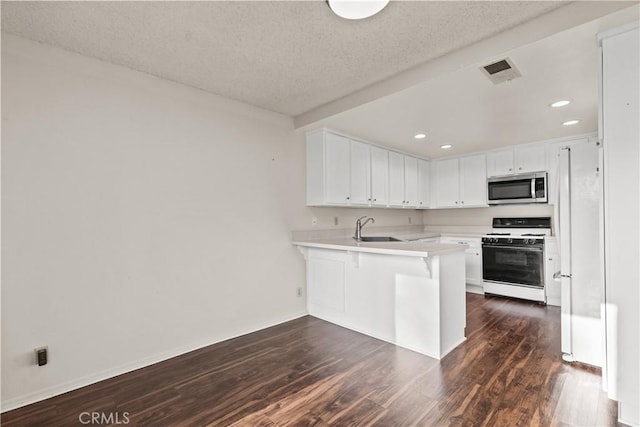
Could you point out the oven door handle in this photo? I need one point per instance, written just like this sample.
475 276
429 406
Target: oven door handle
518 248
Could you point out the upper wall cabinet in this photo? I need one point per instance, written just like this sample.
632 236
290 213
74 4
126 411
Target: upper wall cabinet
500 163
461 182
379 176
526 159
345 172
423 184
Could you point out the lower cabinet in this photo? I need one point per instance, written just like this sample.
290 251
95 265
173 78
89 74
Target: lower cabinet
473 260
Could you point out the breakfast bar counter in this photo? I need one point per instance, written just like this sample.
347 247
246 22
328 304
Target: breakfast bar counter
411 294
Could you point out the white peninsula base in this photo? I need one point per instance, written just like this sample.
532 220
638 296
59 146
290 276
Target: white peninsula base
416 302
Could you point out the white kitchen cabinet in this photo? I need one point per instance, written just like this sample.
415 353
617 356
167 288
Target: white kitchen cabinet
530 158
447 178
379 176
423 184
410 182
360 174
396 179
343 171
336 169
500 163
461 182
473 259
473 181
524 159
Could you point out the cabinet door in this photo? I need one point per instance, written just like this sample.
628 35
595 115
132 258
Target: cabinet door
379 177
360 174
336 171
530 159
473 181
473 266
500 163
447 183
423 184
410 182
396 179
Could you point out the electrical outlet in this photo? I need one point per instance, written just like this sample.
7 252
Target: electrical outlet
299 292
314 221
42 356
335 220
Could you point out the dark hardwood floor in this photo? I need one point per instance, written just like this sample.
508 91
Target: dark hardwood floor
310 372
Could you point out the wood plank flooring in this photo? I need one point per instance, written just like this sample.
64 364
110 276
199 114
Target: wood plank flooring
308 372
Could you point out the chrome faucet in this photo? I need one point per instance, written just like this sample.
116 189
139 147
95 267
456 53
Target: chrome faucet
359 225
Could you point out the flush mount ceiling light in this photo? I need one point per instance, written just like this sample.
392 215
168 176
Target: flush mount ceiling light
446 146
570 122
560 103
420 136
356 9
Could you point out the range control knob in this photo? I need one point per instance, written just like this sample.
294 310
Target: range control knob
509 240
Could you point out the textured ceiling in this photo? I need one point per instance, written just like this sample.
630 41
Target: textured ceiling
288 57
467 110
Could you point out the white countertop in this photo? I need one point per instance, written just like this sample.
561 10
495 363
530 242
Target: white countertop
403 248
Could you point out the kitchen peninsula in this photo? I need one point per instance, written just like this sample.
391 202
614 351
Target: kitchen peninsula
409 293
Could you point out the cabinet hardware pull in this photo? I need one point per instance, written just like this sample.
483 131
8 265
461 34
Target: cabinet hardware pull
348 198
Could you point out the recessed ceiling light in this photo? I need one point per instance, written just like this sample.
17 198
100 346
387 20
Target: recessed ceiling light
356 9
420 136
561 103
446 146
570 122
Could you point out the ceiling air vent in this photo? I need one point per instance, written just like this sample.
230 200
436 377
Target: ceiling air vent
501 71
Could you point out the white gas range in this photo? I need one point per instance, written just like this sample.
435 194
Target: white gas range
513 258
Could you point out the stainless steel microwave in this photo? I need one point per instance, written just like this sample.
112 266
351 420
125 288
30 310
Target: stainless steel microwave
525 188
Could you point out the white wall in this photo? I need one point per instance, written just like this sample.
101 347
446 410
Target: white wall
141 219
482 217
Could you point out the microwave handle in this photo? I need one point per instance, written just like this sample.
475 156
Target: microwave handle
533 188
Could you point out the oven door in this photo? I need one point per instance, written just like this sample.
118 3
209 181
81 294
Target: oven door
517 265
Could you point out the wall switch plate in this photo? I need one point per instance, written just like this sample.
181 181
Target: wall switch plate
42 356
314 221
299 291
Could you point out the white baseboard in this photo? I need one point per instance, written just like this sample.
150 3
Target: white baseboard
75 384
475 289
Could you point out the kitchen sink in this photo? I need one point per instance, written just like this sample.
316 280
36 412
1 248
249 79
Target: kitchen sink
379 239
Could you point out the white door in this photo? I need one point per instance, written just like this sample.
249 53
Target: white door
410 182
423 184
563 207
530 159
396 179
447 183
500 163
581 287
336 173
360 173
473 181
379 176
